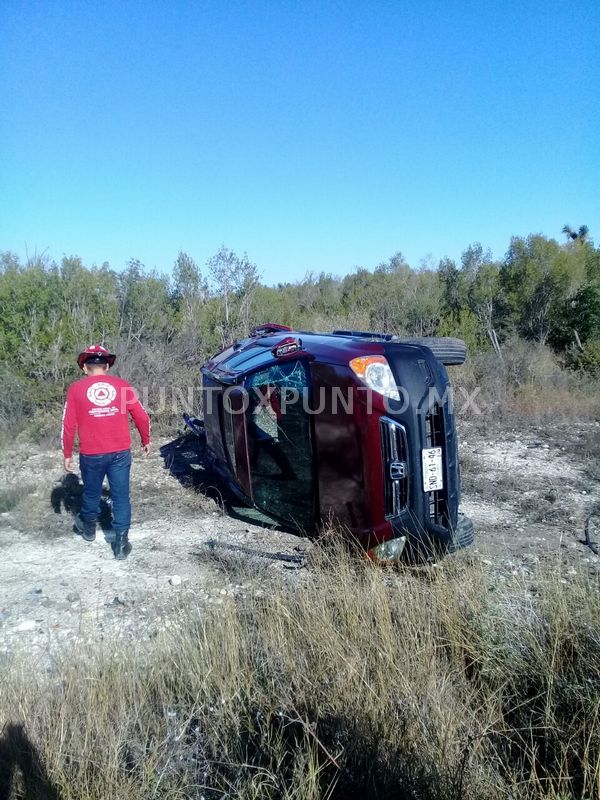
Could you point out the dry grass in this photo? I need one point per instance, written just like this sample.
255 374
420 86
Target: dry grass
12 496
579 402
529 384
590 453
360 684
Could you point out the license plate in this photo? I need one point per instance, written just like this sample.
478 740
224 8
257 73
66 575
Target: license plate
433 479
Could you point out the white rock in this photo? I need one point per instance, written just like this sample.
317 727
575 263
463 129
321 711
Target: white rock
175 580
28 625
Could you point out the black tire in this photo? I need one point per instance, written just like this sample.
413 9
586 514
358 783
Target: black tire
446 349
464 534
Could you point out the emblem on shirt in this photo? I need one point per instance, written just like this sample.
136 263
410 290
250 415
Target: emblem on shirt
101 394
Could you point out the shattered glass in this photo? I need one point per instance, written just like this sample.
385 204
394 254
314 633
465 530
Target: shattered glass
280 442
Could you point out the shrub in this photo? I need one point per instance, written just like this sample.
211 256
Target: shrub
589 359
12 399
528 382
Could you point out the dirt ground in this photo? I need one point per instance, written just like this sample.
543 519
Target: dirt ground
528 490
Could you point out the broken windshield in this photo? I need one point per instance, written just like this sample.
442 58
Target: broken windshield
280 442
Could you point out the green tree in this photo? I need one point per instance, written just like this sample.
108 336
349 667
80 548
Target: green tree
580 235
233 280
144 307
539 276
452 292
189 287
89 300
482 289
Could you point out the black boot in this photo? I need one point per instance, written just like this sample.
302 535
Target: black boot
85 528
121 546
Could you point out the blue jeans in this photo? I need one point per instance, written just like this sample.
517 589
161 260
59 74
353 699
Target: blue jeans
116 466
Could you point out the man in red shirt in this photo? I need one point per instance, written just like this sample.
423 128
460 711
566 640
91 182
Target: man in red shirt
97 409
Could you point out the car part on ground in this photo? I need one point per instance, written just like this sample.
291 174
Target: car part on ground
592 527
297 560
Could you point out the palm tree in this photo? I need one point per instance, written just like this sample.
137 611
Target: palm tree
581 234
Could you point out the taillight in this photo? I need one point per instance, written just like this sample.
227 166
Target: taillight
376 373
286 347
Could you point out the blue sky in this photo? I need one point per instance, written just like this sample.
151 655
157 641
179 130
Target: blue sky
312 135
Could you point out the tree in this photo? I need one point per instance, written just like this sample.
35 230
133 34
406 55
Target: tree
474 288
143 304
484 299
189 287
89 296
482 279
450 279
580 235
539 277
318 293
396 264
233 280
9 262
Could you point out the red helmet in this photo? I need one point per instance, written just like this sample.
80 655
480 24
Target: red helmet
95 354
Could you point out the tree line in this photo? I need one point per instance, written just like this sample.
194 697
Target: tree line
164 325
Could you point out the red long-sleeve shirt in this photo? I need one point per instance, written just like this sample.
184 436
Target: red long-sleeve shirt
97 409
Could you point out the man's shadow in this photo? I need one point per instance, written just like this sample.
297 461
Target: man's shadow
18 755
68 495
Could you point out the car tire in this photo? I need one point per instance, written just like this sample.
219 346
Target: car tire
446 349
464 534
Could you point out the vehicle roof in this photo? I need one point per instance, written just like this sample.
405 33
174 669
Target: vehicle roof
333 348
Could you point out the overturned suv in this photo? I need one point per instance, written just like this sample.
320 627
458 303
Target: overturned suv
351 428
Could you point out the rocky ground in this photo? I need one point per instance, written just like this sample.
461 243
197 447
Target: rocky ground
56 589
528 489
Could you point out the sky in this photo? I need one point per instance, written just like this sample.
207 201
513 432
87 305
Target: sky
314 136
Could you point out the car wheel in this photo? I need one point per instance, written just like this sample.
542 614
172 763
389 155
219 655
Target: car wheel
446 349
464 534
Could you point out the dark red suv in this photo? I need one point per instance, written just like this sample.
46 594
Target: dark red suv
353 428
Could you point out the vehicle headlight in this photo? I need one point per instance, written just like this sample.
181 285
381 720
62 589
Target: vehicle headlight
388 551
376 373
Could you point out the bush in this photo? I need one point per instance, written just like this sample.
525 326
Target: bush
528 382
11 497
589 359
42 426
12 399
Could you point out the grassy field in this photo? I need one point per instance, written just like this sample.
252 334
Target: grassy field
433 683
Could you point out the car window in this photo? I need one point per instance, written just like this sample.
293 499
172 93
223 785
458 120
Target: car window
280 442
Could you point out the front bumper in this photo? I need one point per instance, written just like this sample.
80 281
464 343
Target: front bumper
423 420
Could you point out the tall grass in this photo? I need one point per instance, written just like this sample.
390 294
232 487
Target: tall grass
350 682
528 384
